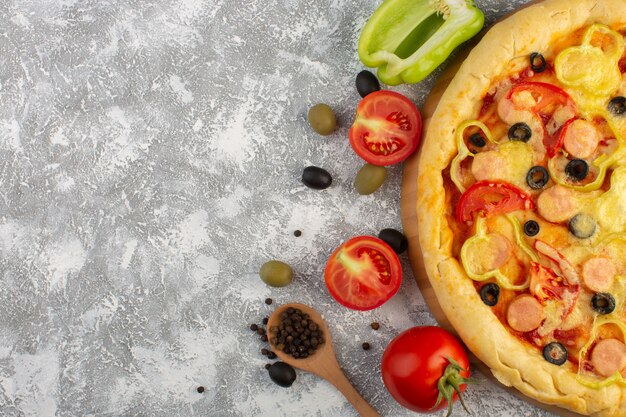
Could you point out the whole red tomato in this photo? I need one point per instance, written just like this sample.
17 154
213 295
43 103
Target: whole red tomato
425 369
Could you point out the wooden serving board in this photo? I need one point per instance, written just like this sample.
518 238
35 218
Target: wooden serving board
408 202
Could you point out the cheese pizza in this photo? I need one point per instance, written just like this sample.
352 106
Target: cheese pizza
522 203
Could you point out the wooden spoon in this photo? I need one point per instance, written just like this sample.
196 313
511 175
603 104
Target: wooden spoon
323 361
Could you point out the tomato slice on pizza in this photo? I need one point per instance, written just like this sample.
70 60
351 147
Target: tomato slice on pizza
488 198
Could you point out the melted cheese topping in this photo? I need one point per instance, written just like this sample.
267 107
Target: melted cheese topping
594 69
509 162
610 209
590 74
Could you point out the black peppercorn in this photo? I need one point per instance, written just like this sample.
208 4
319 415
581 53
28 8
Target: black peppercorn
295 335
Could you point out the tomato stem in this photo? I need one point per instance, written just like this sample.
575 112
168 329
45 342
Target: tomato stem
450 383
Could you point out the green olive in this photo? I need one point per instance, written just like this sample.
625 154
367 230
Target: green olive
276 273
322 119
369 179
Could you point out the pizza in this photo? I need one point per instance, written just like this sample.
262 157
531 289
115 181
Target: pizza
522 203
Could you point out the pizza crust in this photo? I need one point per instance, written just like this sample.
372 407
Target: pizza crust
502 50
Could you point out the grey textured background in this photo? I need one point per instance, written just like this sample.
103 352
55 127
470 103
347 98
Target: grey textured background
150 155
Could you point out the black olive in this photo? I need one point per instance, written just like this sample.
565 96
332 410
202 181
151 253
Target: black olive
282 374
603 302
395 239
617 105
521 132
555 353
489 293
478 140
538 62
537 177
577 169
366 83
531 228
582 226
316 178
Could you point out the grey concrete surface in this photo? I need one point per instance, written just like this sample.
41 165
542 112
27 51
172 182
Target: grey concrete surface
150 155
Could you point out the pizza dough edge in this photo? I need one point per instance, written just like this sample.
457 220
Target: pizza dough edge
511 362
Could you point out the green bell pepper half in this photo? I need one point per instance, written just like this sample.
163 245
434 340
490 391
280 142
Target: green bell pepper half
407 39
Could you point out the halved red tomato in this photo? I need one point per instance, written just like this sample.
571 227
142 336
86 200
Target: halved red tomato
490 198
363 273
386 129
